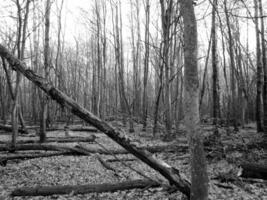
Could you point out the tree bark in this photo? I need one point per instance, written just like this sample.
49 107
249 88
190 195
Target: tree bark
264 66
90 138
215 80
232 70
84 189
259 72
199 176
43 123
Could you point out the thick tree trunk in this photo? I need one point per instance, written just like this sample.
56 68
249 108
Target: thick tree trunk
199 176
264 66
84 189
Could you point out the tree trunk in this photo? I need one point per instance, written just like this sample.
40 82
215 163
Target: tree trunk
43 123
146 65
259 72
232 78
199 176
166 13
215 80
84 189
264 66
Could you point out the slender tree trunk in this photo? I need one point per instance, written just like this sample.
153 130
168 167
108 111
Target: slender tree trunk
232 70
259 72
146 65
46 71
215 80
199 176
166 12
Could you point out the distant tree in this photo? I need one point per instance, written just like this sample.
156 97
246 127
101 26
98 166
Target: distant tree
146 64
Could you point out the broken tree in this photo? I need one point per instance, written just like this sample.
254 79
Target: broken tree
169 172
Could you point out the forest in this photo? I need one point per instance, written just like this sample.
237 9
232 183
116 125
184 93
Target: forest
133 99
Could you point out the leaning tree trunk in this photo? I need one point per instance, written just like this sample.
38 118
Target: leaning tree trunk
199 176
170 173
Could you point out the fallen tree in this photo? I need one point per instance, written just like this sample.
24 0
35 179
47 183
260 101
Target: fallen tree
167 171
89 149
5 159
90 139
8 128
251 170
83 189
74 129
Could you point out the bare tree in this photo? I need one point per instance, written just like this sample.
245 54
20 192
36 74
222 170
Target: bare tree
259 71
264 66
146 64
215 81
43 123
199 176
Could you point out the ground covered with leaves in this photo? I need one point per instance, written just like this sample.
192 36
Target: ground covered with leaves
223 167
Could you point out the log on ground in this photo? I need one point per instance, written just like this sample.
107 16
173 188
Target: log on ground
151 149
251 170
170 173
8 128
89 139
5 159
74 129
45 147
83 189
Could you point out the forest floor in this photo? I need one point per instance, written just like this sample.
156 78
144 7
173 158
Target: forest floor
78 170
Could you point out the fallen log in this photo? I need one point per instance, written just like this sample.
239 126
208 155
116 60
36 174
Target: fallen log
151 149
45 147
75 129
167 171
89 149
5 159
8 128
88 139
83 189
251 170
